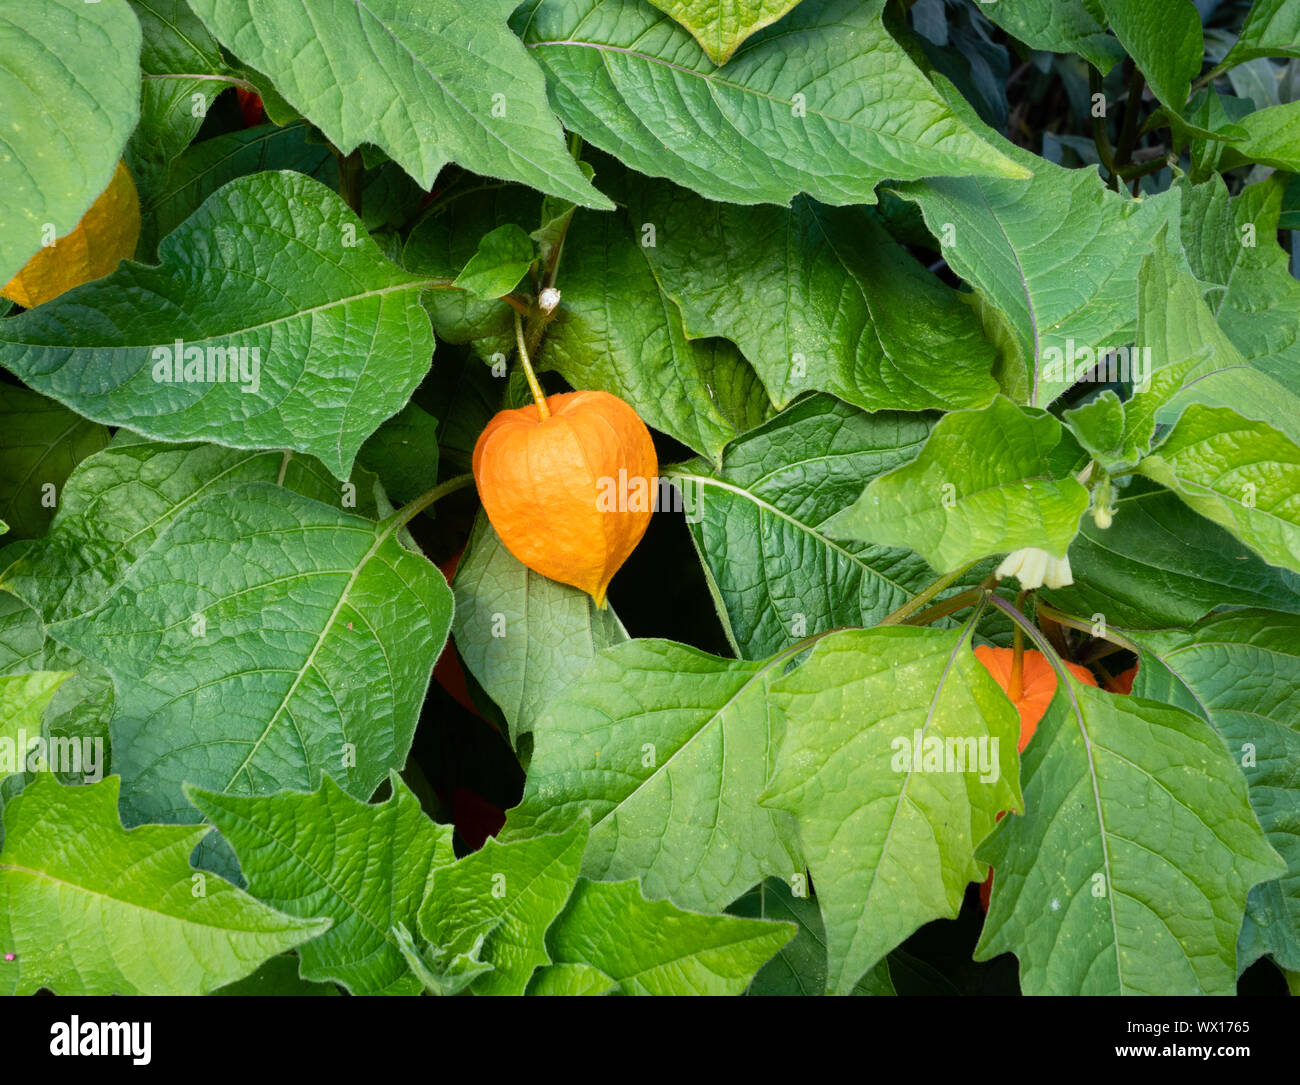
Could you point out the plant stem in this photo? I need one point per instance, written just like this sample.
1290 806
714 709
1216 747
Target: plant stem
411 509
1051 613
1099 134
1128 134
949 606
351 172
1016 684
1040 641
918 601
539 397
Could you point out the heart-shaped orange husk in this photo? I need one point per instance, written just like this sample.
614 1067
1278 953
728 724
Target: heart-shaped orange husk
1039 685
570 496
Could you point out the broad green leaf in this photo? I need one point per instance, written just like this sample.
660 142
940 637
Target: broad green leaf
817 298
618 331
1061 26
202 169
899 752
70 83
1241 672
222 685
428 81
1231 245
1189 358
1056 258
366 867
1129 873
1272 139
22 636
182 72
524 637
331 338
40 443
502 259
983 484
800 967
720 26
568 980
651 947
511 893
827 103
117 504
23 698
759 524
279 976
88 908
1160 564
1243 475
1164 40
1272 29
668 748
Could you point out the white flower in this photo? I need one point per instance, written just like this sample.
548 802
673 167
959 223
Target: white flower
548 299
1034 568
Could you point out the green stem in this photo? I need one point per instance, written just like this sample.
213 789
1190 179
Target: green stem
1050 612
411 509
539 397
918 601
1128 134
1041 641
947 607
1099 134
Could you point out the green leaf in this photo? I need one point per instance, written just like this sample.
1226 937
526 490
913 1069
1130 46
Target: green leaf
1272 29
1241 672
502 259
1099 426
183 71
40 443
444 241
221 685
22 635
120 501
326 854
1130 871
890 842
668 748
800 967
524 637
263 266
444 971
403 452
510 894
983 484
827 103
759 524
202 169
70 81
1243 475
720 26
618 331
1231 245
23 698
653 948
87 908
827 301
428 81
1160 564
1060 26
570 980
1190 359
1164 40
1272 139
1010 240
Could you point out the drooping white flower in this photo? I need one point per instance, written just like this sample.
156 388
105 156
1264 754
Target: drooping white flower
1035 568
